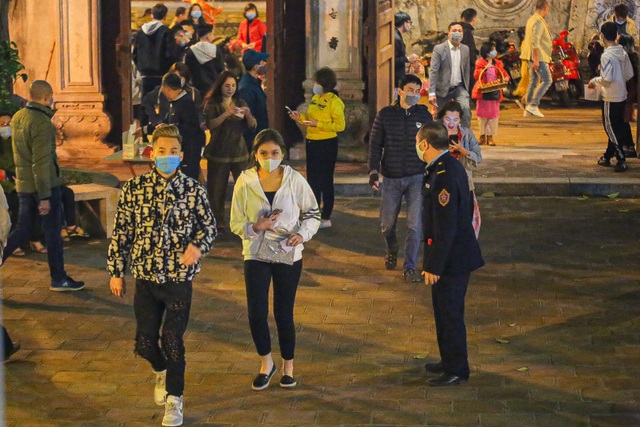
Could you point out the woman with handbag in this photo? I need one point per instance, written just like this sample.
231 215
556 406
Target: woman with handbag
464 146
274 211
488 70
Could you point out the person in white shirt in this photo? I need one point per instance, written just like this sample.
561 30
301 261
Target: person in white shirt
615 71
273 208
449 72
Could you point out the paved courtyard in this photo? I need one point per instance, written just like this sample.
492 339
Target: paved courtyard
560 291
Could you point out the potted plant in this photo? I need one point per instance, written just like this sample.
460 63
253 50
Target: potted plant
10 70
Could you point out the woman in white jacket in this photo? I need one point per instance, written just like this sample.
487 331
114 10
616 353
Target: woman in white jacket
272 204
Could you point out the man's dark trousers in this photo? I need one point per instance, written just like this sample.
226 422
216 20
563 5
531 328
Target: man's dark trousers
448 306
51 225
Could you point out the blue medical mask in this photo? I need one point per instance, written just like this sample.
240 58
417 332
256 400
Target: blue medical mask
251 16
493 53
456 37
189 35
5 132
620 22
317 89
167 164
411 100
196 14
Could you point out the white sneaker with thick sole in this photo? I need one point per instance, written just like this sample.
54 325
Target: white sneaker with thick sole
160 389
173 410
533 110
325 223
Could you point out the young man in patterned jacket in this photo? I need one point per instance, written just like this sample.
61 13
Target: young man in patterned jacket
165 225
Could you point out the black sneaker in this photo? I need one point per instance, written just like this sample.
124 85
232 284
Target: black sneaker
66 285
410 275
391 260
603 161
262 380
621 166
288 381
630 153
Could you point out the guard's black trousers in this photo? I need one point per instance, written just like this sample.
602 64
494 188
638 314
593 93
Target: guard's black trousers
150 303
448 306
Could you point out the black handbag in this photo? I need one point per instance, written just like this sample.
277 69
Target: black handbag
491 96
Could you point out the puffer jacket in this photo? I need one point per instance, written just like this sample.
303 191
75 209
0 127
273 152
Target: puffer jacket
34 150
392 141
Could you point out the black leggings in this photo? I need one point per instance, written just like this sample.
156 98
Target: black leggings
321 164
217 182
150 302
257 277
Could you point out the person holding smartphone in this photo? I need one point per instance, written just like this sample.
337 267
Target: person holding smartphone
272 205
323 120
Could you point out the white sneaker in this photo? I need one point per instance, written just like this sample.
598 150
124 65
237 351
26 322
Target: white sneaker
534 110
325 223
173 409
160 391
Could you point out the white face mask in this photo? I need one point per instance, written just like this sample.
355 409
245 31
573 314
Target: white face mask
420 152
5 132
269 164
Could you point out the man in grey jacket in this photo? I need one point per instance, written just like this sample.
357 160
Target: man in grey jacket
449 73
38 181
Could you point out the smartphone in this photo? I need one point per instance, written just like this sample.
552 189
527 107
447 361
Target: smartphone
276 211
289 109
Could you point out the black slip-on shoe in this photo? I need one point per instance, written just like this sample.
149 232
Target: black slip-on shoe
262 380
288 381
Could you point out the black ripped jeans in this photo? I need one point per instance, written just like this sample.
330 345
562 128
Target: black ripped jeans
150 303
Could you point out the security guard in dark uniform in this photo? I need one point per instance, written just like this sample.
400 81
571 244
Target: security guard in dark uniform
451 251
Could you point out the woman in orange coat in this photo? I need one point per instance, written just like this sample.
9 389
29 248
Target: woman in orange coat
251 30
488 104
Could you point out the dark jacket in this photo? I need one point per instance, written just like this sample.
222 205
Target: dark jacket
154 53
250 91
392 141
399 57
451 248
7 165
469 41
204 74
183 113
156 106
34 150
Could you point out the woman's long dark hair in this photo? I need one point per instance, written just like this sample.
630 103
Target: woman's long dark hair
215 94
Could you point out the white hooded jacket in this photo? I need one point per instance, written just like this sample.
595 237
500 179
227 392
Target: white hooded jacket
615 70
300 213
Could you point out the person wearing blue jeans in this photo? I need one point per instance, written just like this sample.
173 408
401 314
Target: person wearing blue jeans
38 181
392 154
536 49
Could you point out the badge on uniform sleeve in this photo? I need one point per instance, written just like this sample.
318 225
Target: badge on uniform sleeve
444 197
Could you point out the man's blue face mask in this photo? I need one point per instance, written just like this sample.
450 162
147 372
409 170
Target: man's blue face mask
168 164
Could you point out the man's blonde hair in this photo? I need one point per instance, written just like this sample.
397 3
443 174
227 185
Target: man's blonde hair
166 131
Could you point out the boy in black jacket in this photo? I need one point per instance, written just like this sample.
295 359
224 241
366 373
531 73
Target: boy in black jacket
205 60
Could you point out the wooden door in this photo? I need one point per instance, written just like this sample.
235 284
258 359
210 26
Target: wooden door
115 62
286 45
379 49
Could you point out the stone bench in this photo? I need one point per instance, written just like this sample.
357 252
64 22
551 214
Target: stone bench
100 202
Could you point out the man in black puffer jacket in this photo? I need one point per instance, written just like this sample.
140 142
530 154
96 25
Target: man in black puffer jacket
392 154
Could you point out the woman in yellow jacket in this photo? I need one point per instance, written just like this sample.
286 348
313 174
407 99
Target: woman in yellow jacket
323 120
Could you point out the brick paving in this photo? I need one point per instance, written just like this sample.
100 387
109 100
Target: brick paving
560 285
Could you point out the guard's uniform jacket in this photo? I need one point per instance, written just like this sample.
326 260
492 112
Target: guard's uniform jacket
451 248
156 220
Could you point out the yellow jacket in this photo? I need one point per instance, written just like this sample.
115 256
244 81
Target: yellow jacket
631 27
537 35
328 110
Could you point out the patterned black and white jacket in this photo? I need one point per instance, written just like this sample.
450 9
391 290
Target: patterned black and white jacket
155 222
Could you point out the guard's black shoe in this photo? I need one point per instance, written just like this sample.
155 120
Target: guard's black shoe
445 380
434 367
621 166
262 380
391 260
288 381
603 161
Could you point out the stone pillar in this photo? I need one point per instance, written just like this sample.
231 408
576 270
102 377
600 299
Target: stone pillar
334 37
80 119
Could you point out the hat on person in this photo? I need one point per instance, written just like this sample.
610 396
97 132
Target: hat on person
251 58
